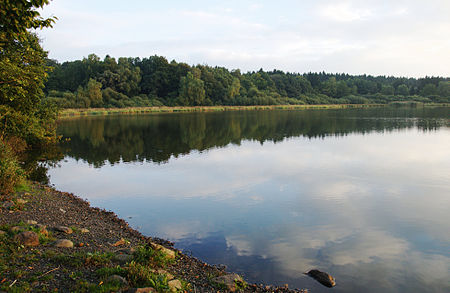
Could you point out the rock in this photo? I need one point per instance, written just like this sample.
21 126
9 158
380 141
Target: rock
84 230
8 204
16 229
31 222
118 279
142 290
21 201
123 258
170 254
163 272
130 250
64 229
175 285
66 243
229 281
322 277
27 238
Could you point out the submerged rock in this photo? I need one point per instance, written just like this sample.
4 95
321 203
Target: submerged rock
322 277
28 238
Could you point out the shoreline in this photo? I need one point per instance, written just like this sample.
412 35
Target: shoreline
103 246
71 113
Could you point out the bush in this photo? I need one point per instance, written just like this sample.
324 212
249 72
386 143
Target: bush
10 172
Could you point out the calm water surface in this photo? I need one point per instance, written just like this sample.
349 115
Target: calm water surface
363 194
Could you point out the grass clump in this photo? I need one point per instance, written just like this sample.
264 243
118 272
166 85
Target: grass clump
147 255
143 276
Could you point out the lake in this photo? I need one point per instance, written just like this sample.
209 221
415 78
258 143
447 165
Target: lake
363 194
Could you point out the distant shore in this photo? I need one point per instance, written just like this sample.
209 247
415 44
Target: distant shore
65 113
68 113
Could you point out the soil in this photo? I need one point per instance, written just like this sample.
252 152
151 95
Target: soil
53 208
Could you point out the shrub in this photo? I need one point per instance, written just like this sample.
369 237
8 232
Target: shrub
10 172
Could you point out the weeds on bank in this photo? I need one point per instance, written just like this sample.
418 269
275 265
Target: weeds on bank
147 255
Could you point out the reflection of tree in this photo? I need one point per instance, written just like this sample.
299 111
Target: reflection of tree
158 137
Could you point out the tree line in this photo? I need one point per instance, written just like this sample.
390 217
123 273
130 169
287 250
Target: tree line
154 81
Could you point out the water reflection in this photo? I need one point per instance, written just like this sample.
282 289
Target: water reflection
363 195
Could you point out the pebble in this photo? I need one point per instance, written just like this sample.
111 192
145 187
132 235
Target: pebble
142 290
84 230
27 238
64 229
66 243
31 222
21 201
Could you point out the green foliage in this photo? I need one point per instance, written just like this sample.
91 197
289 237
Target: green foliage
143 276
10 172
22 76
192 90
147 255
153 81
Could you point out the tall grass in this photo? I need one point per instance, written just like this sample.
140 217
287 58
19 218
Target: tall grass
67 113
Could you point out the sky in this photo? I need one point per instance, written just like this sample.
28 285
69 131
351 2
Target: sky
380 37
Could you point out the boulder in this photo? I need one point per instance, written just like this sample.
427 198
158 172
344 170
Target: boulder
65 243
229 280
175 285
27 238
123 258
118 279
322 277
170 254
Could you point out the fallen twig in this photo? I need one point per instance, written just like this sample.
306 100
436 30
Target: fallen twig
48 272
12 284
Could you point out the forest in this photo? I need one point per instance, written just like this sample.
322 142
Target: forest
154 81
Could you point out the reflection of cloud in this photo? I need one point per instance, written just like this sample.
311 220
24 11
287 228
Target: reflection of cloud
241 244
